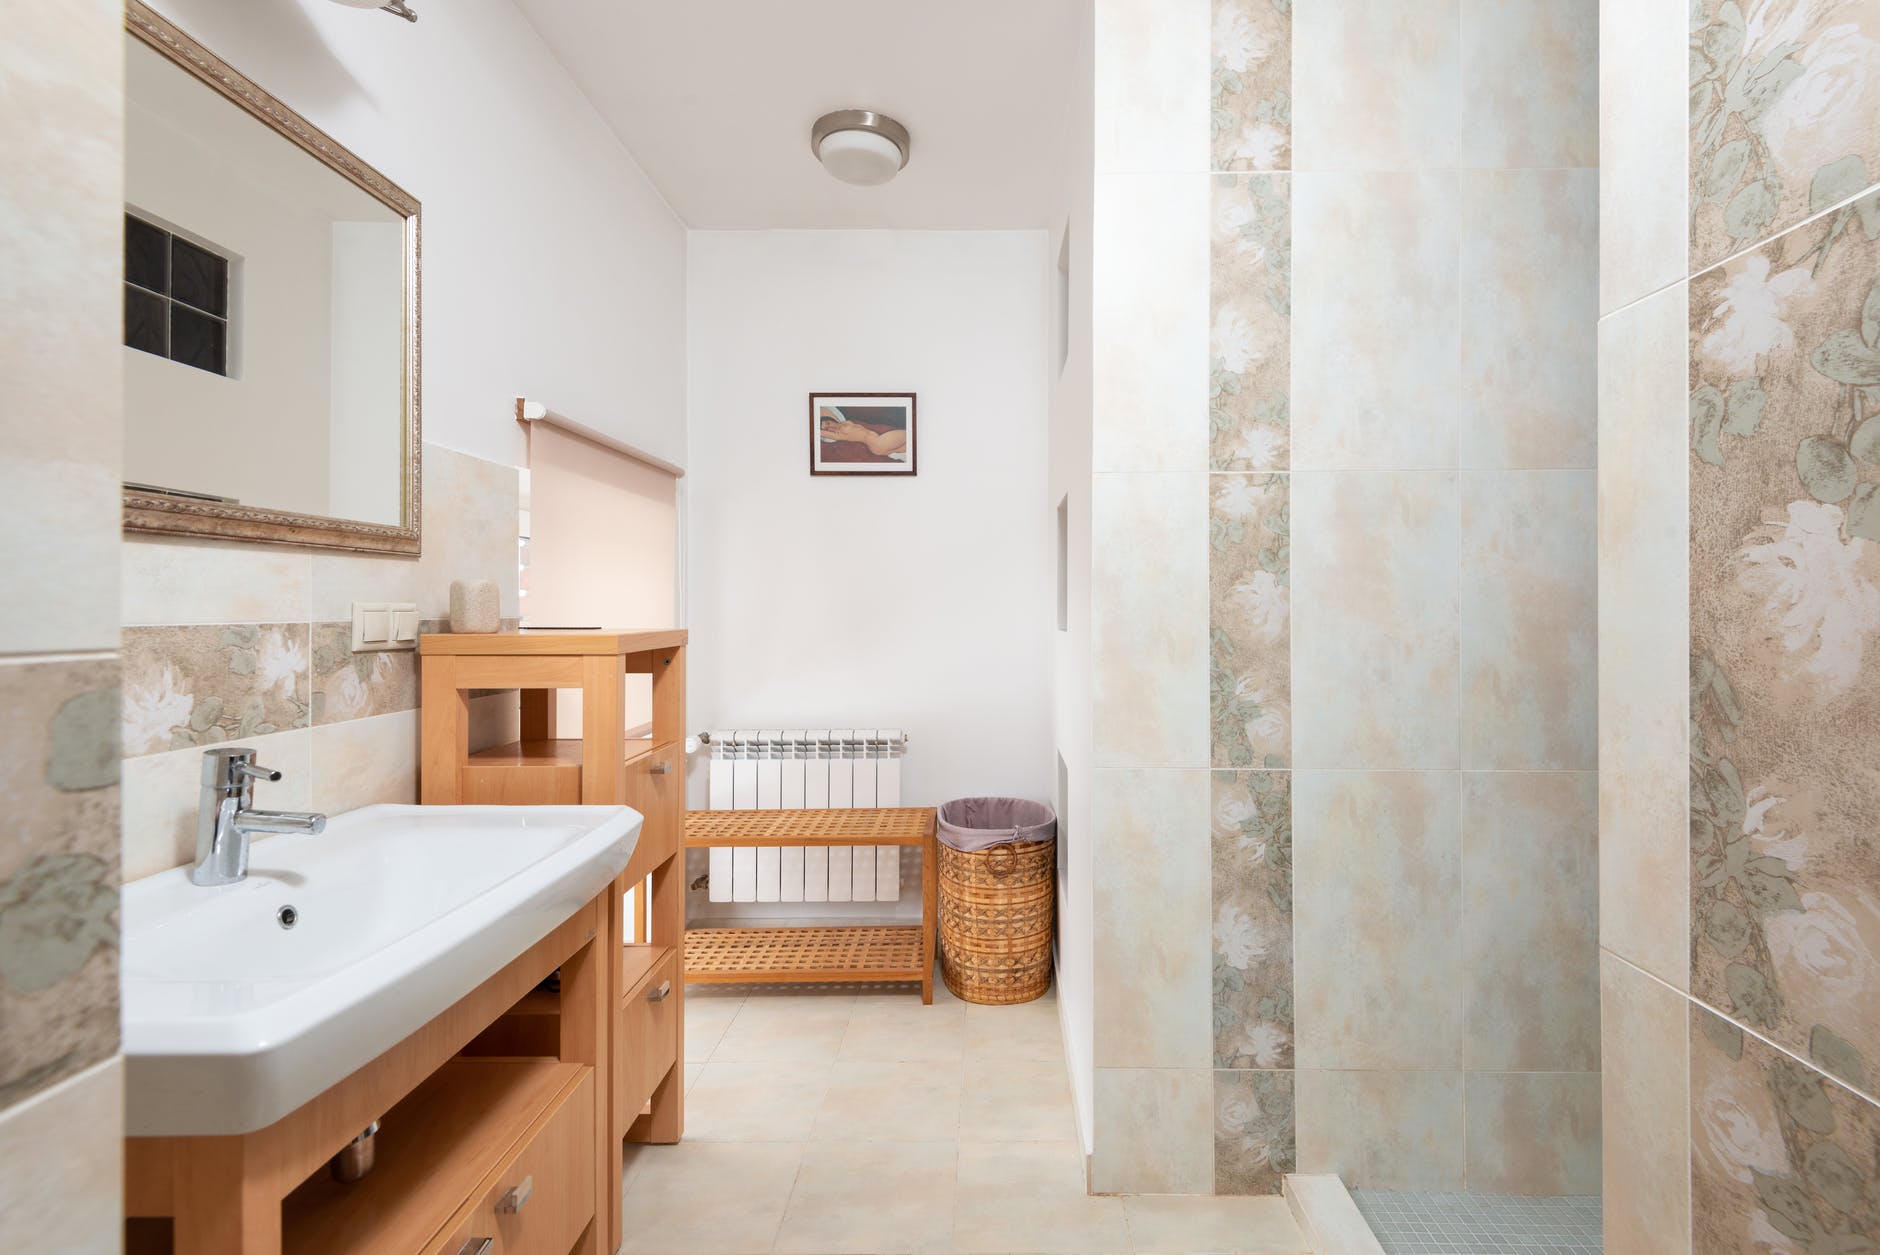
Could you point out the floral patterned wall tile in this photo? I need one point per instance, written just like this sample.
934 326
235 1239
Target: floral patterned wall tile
1250 327
1252 873
58 871
348 685
1785 641
210 683
1253 1131
1250 115
1785 116
1250 620
1782 1157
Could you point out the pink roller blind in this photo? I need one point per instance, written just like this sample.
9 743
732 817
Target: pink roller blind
603 535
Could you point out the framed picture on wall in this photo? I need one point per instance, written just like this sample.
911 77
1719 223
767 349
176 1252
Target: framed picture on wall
861 433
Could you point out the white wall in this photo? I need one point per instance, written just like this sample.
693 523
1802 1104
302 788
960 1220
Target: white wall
1070 649
365 428
552 267
260 434
923 603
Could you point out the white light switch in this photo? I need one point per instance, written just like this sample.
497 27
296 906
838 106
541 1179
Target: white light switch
384 625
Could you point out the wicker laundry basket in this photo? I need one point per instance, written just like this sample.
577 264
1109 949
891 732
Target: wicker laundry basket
996 902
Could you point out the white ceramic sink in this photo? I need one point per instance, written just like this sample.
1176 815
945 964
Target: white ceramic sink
232 1020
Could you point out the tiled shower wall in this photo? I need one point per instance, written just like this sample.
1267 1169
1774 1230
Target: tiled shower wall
1740 625
1343 595
61 197
253 644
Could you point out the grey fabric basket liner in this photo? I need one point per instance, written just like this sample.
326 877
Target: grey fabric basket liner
978 823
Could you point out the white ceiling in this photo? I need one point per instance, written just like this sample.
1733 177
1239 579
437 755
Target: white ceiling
715 99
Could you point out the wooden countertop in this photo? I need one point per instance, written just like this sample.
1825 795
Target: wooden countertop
526 642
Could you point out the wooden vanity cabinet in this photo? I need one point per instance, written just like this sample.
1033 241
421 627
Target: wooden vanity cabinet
538 1200
472 1146
646 1098
648 1045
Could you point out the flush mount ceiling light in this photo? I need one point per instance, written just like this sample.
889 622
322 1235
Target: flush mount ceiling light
395 7
859 146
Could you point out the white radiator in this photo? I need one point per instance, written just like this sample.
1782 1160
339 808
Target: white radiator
796 770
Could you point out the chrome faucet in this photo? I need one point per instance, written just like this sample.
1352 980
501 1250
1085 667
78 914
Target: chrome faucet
226 817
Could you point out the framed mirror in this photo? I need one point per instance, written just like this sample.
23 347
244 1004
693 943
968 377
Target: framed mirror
271 315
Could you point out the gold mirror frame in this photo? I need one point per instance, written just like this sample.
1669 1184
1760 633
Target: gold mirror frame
176 516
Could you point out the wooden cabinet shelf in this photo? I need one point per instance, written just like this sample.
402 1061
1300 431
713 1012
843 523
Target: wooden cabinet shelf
441 1142
561 752
601 767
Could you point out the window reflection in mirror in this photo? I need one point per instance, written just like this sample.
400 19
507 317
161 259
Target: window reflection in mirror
264 311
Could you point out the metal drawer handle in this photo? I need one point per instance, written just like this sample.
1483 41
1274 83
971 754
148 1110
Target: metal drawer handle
659 994
517 1198
476 1246
659 769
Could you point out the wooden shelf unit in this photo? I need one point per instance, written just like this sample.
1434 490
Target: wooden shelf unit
832 954
599 767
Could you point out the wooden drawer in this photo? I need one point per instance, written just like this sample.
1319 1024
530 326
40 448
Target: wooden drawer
552 1173
647 1045
656 789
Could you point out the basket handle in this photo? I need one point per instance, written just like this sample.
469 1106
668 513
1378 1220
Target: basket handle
1002 869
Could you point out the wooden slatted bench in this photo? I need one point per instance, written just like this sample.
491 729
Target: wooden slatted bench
903 952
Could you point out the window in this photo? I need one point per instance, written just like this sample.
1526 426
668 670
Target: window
175 297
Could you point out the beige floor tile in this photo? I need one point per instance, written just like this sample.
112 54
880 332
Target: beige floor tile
895 1032
692 1071
941 994
1199 1224
890 1102
807 1030
907 998
1030 1030
706 1019
767 1101
875 1197
676 1197
1016 1100
1030 1196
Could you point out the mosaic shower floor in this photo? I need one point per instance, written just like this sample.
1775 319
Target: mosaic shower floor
1481 1224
